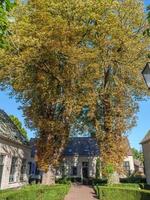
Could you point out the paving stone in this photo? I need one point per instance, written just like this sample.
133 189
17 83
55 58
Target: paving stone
81 192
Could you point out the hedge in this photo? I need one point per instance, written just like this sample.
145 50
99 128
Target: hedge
126 185
132 179
38 192
116 193
99 181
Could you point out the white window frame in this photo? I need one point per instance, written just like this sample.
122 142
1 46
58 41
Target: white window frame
23 170
13 169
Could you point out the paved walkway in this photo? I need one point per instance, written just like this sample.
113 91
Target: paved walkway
81 192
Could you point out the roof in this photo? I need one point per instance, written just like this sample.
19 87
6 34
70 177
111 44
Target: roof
146 138
82 146
129 150
87 146
9 130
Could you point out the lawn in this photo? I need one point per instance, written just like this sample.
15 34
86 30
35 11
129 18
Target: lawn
36 192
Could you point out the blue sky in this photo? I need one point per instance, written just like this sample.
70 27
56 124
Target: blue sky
147 2
10 106
135 135
143 124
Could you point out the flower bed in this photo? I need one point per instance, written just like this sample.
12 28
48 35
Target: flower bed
36 192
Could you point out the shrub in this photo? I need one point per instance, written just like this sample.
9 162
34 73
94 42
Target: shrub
132 179
126 185
116 193
144 186
64 181
100 181
97 175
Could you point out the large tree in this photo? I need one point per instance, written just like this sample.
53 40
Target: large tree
5 6
69 54
148 18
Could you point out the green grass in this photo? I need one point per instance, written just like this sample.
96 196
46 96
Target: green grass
36 192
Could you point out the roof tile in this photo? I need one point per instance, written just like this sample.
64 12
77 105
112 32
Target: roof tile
9 130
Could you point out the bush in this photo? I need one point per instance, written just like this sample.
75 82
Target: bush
36 192
116 193
126 185
144 186
100 181
64 181
132 179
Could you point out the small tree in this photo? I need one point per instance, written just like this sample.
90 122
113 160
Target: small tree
108 171
18 124
137 154
97 175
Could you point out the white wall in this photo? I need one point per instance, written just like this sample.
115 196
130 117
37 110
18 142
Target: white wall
77 161
146 152
10 149
131 162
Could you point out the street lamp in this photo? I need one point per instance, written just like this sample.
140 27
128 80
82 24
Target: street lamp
146 74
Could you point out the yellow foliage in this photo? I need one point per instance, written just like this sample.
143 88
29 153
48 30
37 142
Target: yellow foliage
70 53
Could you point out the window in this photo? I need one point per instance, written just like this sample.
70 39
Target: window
126 165
1 159
13 169
74 171
33 152
85 164
63 170
37 170
57 172
23 170
30 167
1 167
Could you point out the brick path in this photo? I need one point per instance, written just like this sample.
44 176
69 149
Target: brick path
81 192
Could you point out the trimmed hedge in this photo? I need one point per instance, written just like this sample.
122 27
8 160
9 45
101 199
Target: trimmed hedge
126 185
144 186
132 179
38 192
116 193
99 181
64 181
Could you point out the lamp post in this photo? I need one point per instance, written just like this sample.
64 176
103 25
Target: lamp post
146 74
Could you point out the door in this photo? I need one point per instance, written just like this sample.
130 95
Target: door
85 169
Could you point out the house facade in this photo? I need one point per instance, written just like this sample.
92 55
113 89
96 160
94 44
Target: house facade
128 163
146 151
14 154
79 161
80 158
139 167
